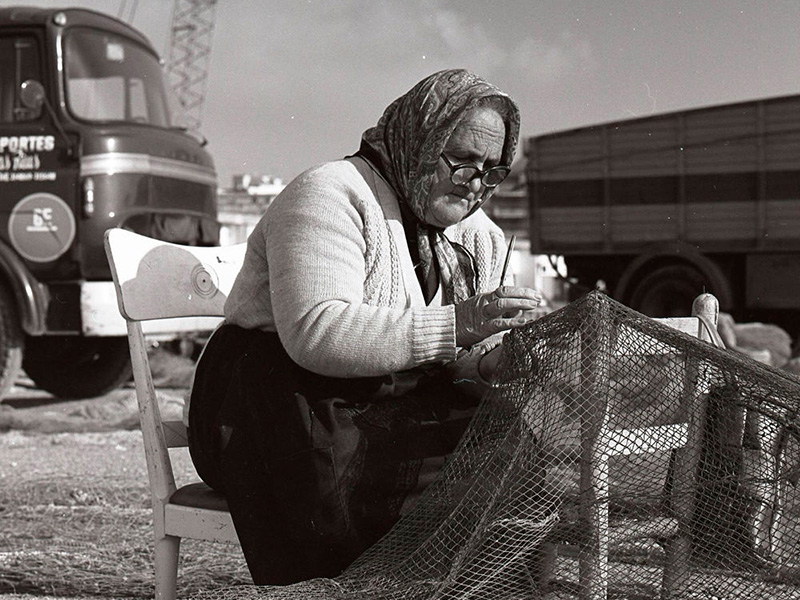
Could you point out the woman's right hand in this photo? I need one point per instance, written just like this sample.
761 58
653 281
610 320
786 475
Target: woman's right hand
485 314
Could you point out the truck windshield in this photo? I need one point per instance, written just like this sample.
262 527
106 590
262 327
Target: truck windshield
111 78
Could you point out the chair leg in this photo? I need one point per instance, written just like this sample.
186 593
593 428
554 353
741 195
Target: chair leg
166 567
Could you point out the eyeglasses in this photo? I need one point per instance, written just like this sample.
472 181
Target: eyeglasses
464 173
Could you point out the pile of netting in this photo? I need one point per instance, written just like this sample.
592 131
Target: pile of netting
615 457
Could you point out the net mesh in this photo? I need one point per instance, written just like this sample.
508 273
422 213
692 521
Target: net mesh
614 457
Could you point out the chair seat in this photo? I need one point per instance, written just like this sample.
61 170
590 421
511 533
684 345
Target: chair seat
199 495
574 533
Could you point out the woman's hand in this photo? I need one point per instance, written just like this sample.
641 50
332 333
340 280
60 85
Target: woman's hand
474 368
488 363
485 314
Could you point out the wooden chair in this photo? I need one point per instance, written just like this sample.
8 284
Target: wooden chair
600 443
156 280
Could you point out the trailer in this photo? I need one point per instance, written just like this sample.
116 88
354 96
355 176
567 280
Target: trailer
659 209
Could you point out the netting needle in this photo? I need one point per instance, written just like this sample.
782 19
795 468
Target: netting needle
508 258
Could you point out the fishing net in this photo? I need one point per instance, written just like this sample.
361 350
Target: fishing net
614 457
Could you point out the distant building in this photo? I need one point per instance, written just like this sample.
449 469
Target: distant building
241 206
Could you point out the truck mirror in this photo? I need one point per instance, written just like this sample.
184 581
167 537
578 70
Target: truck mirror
31 94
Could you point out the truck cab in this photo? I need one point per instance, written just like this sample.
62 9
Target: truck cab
87 143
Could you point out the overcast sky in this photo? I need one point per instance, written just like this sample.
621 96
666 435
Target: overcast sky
295 82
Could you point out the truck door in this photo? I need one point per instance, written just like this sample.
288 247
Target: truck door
20 56
38 173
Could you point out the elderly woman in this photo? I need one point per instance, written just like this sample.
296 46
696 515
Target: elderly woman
360 332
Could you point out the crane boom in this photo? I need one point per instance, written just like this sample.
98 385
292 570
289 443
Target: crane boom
191 35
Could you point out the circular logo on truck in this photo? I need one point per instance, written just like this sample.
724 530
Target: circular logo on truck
41 227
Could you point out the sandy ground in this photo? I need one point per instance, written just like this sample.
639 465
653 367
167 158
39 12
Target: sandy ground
43 438
27 457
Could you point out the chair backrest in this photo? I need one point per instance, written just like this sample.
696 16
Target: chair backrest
159 280
703 323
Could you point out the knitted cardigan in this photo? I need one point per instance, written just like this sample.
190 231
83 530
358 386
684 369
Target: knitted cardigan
329 269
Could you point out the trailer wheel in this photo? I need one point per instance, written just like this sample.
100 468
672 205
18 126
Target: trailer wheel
12 342
77 367
668 291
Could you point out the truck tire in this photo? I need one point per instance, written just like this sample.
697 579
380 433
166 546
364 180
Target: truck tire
668 291
12 341
72 367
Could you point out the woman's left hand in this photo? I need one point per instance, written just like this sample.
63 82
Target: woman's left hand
473 368
488 363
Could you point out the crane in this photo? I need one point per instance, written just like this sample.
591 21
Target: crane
191 34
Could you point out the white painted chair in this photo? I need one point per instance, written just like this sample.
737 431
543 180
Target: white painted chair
600 443
157 280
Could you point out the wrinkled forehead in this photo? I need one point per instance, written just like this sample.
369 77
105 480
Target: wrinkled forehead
480 130
487 116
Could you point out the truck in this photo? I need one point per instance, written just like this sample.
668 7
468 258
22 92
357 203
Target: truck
87 143
658 209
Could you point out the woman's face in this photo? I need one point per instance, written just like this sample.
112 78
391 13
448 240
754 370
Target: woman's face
477 140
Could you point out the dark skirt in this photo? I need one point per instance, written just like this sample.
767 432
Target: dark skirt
315 469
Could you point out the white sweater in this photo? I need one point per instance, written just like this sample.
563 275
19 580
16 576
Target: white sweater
329 269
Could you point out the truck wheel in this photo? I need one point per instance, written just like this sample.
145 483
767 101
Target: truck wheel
12 342
668 291
77 367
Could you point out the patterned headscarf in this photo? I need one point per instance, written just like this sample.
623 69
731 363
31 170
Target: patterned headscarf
405 147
